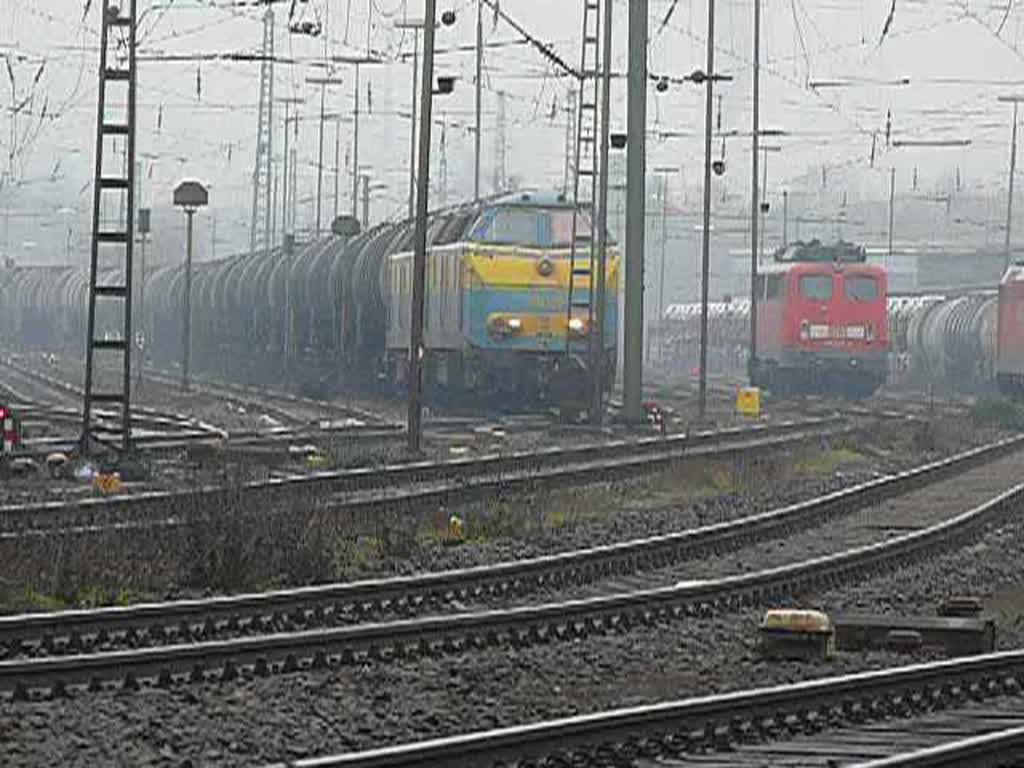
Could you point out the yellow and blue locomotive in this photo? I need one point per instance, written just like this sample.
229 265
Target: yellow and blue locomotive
497 318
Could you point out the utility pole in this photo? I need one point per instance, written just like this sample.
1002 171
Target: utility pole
186 326
892 209
755 195
286 192
785 218
479 95
706 251
357 62
366 201
420 229
262 182
570 145
323 82
355 144
764 201
664 173
337 166
1013 170
117 86
415 26
597 342
765 149
636 217
500 177
442 164
144 222
190 196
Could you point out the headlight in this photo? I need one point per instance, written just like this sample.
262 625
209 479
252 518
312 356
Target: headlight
502 326
577 326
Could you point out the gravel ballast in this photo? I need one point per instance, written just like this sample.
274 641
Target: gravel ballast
359 707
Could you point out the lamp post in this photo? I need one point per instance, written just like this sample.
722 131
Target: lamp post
190 196
445 86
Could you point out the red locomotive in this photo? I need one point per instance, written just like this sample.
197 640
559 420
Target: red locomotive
822 322
1010 332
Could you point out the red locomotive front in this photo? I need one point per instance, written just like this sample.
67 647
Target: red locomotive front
1010 333
822 323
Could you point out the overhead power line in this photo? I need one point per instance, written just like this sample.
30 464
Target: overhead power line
545 50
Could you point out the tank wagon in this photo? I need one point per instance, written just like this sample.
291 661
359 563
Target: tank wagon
334 313
946 341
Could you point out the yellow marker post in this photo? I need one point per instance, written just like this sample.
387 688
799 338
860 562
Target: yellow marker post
748 401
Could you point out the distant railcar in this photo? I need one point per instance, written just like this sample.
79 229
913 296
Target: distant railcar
1009 364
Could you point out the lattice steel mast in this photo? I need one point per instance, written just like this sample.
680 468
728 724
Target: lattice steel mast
113 189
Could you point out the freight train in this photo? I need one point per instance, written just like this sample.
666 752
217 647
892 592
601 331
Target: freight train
334 313
969 341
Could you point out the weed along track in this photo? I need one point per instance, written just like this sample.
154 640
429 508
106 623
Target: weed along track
370 491
338 624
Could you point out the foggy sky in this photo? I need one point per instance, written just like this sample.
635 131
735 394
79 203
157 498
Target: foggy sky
209 131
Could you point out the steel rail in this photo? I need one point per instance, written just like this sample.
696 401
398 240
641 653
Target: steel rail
521 625
367 505
990 750
986 751
196 618
673 728
451 477
260 395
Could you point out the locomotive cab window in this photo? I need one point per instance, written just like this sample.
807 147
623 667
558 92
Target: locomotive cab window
861 288
816 287
509 226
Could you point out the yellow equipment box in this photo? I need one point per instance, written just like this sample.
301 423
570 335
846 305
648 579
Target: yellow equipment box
797 635
748 401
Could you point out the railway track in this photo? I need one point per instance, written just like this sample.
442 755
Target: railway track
156 431
370 491
985 750
153 428
675 733
329 624
303 409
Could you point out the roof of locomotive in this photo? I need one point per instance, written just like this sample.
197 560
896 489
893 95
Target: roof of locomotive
817 252
812 267
532 198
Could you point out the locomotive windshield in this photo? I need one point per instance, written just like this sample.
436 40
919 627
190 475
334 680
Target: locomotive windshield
861 288
817 287
530 227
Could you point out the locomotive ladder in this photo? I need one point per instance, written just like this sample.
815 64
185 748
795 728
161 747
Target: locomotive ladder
113 217
581 253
